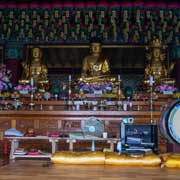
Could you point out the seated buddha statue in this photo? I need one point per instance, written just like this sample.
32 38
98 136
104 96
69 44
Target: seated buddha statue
35 70
156 66
35 67
95 66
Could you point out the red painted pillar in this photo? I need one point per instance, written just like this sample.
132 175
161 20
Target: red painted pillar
5 146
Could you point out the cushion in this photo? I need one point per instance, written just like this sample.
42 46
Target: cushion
68 157
125 160
171 160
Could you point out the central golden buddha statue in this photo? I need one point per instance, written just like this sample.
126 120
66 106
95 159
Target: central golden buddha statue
95 66
35 70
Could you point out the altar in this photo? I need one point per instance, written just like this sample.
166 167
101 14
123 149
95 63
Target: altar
67 107
58 116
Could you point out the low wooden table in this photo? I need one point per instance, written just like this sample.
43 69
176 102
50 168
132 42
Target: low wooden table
110 141
15 144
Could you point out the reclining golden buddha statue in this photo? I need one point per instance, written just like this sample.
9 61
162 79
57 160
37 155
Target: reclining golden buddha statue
36 71
95 66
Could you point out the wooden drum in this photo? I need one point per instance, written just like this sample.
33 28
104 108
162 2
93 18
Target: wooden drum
170 122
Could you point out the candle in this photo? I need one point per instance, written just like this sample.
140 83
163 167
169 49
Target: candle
151 81
32 81
119 78
70 77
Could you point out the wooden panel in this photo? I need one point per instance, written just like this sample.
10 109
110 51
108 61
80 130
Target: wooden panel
5 124
24 125
36 124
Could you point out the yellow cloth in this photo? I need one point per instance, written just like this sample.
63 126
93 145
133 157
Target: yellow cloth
124 160
171 160
104 158
78 158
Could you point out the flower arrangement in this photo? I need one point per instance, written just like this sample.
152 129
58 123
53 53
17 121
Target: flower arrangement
162 88
5 76
92 88
23 88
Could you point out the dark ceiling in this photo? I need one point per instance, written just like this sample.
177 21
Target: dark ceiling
29 1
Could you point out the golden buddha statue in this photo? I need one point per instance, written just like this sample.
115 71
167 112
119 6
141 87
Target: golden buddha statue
156 66
96 74
25 73
95 66
35 70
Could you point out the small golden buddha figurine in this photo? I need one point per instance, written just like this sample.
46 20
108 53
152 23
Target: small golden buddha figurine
95 66
35 70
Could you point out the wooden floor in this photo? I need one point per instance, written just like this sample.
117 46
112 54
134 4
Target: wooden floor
41 170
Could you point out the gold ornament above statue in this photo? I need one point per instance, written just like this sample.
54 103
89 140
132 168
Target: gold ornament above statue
35 70
95 66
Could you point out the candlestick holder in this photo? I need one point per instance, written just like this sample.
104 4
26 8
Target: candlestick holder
69 93
119 93
151 82
32 104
